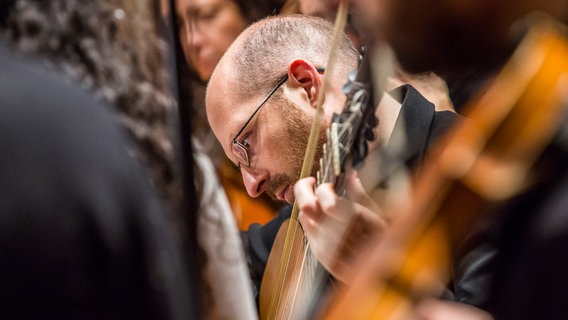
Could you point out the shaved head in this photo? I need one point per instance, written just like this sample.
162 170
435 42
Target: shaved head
285 56
260 55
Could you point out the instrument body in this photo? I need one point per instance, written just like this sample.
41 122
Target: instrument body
480 165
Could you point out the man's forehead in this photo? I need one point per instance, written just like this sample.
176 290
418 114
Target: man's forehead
227 86
226 108
220 82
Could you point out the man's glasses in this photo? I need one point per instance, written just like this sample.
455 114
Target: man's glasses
239 149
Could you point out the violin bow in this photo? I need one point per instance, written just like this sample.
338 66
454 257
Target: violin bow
294 227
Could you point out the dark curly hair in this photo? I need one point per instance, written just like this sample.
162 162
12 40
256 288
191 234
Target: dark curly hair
113 48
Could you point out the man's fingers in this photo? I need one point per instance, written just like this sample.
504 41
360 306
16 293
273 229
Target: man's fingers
304 192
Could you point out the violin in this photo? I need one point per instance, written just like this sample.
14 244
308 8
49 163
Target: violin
481 164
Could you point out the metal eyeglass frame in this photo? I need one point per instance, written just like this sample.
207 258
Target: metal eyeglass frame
240 151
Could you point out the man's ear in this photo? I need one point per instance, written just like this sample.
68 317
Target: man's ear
304 75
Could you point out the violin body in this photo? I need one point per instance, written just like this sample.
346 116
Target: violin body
284 288
480 165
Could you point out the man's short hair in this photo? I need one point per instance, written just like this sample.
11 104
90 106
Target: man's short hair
265 49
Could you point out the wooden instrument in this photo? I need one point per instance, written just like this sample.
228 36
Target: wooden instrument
484 162
290 277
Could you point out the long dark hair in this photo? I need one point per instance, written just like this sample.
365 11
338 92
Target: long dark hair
121 50
113 49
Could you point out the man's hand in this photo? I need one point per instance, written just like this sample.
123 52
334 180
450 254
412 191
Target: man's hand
337 228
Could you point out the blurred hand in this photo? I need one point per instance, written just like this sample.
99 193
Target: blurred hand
430 85
433 309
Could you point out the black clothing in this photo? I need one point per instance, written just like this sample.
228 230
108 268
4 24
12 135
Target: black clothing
530 280
257 242
422 127
472 267
82 235
528 274
470 271
463 87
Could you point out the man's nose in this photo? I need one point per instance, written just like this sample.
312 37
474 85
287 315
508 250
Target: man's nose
255 181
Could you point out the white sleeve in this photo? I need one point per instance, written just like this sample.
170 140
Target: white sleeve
226 270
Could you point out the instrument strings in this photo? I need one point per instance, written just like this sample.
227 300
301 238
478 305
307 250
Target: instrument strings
293 231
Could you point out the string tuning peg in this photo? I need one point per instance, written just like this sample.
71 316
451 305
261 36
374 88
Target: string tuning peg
351 76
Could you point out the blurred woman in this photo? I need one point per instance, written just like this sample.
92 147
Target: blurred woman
206 29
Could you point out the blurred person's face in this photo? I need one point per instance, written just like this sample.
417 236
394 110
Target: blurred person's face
425 34
207 28
412 27
327 11
448 36
317 8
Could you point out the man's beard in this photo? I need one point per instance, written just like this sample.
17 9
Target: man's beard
298 127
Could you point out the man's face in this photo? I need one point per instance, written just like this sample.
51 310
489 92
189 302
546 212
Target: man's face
284 151
276 139
207 28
